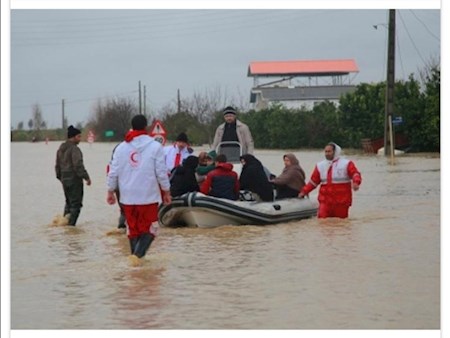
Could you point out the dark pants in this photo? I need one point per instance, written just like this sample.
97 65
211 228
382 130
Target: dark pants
283 191
73 192
121 224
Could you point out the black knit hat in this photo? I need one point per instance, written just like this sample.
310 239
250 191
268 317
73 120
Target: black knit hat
229 110
72 131
139 122
182 137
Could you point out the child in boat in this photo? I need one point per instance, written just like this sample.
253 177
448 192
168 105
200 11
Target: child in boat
221 182
205 165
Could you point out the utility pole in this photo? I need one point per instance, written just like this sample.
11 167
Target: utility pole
63 118
140 99
178 101
145 99
390 82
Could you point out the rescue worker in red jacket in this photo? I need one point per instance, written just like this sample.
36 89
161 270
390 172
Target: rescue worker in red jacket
336 176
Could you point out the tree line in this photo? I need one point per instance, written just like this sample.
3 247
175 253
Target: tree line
359 115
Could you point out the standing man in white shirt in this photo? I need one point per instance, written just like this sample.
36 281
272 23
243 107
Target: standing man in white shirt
139 172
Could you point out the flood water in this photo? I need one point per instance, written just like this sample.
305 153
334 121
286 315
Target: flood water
379 269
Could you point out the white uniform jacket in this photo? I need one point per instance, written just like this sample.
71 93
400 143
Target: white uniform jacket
171 153
138 170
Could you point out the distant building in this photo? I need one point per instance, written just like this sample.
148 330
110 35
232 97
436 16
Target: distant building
301 83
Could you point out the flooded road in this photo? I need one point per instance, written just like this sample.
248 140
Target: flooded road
379 269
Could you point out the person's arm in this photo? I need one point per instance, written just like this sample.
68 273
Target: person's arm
312 184
110 197
161 169
248 140
283 179
166 197
355 175
206 185
217 137
57 167
112 180
78 166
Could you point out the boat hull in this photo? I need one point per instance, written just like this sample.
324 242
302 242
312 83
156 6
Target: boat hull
198 210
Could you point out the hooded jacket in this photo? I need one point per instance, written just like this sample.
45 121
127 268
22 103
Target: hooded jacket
335 178
138 170
222 182
254 178
183 178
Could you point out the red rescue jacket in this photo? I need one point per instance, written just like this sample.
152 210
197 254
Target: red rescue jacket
335 179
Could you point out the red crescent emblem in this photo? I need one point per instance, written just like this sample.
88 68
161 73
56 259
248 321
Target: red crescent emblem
134 158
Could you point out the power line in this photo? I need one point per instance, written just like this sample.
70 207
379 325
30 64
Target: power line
73 101
426 27
115 33
411 39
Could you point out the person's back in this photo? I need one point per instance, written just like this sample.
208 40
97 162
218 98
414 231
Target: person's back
137 174
221 182
183 178
254 178
138 170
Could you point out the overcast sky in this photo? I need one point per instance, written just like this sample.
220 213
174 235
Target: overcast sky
85 55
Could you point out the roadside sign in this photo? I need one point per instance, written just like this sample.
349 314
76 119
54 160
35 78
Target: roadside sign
160 138
158 132
157 128
109 133
397 120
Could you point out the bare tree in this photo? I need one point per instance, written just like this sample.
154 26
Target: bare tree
113 115
38 120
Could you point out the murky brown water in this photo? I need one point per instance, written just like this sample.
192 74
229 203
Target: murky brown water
380 269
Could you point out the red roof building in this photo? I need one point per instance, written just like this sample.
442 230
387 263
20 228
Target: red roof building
302 68
300 82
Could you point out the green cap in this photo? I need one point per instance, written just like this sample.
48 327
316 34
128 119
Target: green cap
212 155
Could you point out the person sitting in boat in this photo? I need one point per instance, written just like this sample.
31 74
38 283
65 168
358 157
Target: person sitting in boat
254 178
203 169
291 180
177 152
183 178
203 158
221 182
